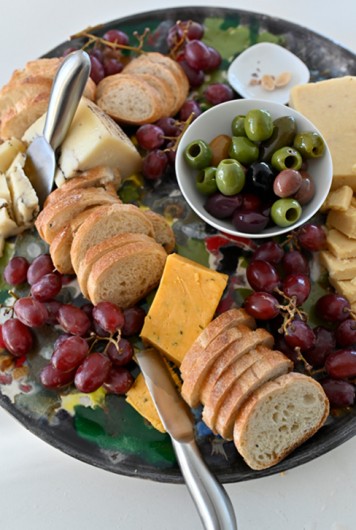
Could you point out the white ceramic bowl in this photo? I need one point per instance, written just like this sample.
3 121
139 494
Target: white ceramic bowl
269 59
217 120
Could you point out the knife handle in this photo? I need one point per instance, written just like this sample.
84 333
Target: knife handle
67 89
212 502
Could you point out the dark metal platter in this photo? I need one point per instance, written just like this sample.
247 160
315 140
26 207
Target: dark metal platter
109 434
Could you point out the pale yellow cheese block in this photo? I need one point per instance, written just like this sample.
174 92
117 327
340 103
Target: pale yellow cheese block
331 106
93 139
338 269
340 245
184 304
339 199
345 222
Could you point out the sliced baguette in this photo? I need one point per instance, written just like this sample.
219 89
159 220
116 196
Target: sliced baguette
162 230
126 275
228 319
278 417
106 222
100 176
273 364
97 251
52 219
194 380
163 89
227 362
129 99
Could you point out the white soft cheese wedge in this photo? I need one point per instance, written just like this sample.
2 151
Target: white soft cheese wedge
8 227
23 196
8 150
93 139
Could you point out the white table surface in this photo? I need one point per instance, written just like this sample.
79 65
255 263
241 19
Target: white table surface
42 488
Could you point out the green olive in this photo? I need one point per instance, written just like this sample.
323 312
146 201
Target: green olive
238 126
230 176
286 158
198 154
285 212
309 144
284 131
243 150
258 125
205 181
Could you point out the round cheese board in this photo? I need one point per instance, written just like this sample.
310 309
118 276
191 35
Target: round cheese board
103 429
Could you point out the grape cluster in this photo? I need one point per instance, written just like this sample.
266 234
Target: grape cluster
94 348
281 283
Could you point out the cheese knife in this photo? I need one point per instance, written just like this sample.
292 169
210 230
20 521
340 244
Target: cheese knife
67 89
211 500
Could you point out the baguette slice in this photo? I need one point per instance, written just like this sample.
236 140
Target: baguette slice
278 417
129 99
100 176
162 230
273 364
97 251
194 380
106 222
126 275
228 319
222 367
55 217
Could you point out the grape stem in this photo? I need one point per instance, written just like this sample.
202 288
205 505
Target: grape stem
178 138
290 310
93 39
181 41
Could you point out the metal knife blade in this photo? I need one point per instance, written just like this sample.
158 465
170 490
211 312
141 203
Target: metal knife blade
67 89
211 500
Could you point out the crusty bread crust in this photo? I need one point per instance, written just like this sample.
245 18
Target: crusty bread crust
163 232
228 319
291 403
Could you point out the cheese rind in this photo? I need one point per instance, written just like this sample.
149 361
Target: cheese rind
184 304
93 139
331 106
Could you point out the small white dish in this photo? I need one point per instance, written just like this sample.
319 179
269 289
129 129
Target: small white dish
247 71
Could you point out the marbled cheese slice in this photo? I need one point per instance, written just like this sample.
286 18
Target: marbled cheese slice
23 196
8 150
8 227
184 304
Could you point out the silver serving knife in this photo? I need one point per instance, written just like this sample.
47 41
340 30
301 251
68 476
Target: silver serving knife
212 502
67 89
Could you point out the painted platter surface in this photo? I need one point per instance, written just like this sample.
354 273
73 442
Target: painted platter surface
103 430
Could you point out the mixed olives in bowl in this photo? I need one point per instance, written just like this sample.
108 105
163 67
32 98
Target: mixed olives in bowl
253 168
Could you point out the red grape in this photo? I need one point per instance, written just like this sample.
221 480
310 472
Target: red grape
169 126
333 307
52 378
190 28
92 372
341 364
69 354
112 66
154 165
117 36
47 287
197 54
195 77
190 106
150 136
261 305
73 320
122 355
217 93
345 333
134 318
31 312
324 344
312 237
52 309
40 266
60 339
15 271
269 251
299 335
214 61
294 262
2 343
97 72
109 316
262 276
17 337
297 286
339 393
118 381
